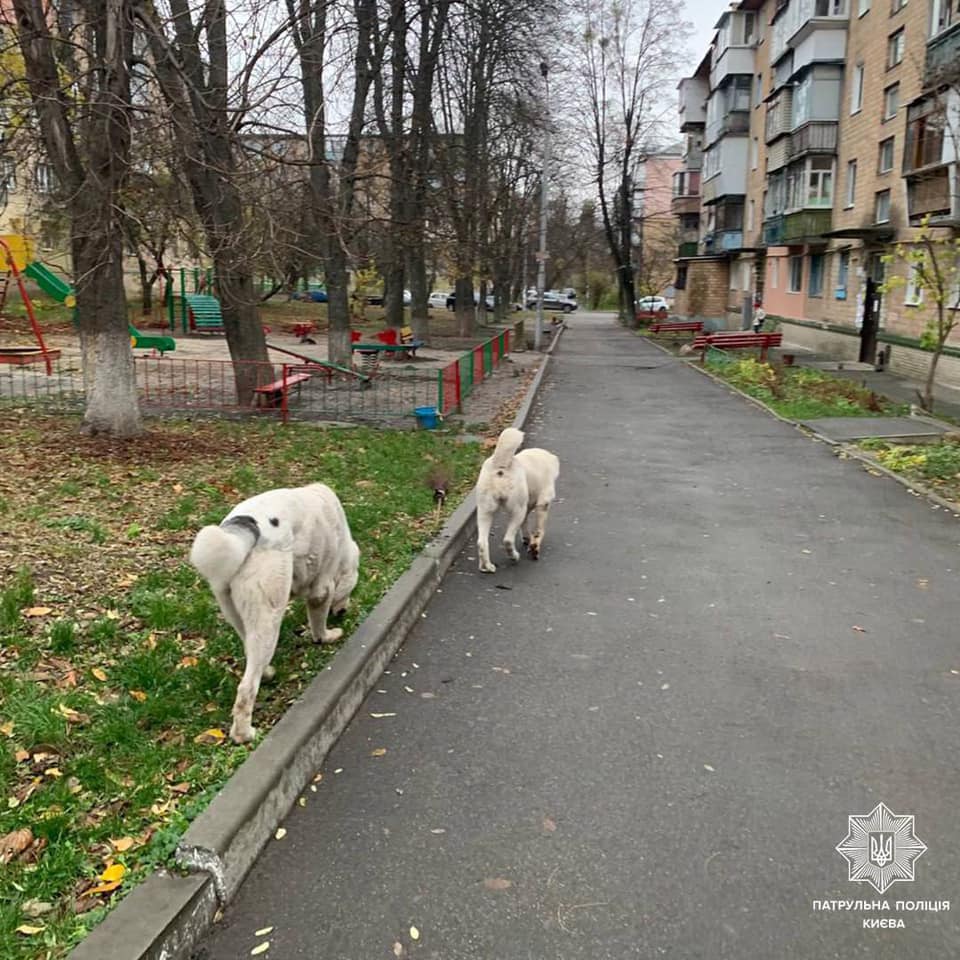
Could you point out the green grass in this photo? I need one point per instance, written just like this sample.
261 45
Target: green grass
113 656
937 465
800 393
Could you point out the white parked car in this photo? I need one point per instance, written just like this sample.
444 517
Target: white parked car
438 300
652 305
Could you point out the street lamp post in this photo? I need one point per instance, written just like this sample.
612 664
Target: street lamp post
542 252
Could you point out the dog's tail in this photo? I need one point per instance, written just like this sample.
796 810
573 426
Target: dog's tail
219 552
507 446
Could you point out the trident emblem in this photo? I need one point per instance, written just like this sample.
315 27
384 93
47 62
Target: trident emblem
881 848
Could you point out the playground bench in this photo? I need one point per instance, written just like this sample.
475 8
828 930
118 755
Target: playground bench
272 394
303 330
678 326
403 340
737 341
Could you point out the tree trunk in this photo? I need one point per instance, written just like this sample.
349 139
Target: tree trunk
463 292
108 367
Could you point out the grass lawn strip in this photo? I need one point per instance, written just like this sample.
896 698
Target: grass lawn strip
117 674
935 466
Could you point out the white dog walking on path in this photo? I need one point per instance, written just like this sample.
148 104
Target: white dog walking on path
278 544
524 484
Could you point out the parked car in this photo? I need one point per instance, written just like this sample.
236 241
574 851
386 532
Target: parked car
553 300
438 300
652 305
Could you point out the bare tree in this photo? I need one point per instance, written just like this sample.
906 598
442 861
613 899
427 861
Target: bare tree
77 70
630 53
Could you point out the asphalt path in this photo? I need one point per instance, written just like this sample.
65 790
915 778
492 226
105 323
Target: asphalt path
650 743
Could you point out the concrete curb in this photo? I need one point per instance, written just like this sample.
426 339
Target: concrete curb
840 448
164 917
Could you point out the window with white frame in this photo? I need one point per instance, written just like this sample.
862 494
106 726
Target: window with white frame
881 207
843 275
895 46
891 101
820 182
754 153
885 155
815 278
897 6
863 6
913 292
851 183
774 273
796 274
943 14
44 179
856 89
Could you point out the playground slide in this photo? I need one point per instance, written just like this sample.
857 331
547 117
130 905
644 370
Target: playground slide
62 292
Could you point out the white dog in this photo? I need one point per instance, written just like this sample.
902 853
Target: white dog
524 484
275 545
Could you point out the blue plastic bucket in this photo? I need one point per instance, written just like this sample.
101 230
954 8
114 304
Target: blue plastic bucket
426 417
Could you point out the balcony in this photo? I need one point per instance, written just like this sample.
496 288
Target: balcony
723 240
693 159
779 118
929 195
924 144
688 249
806 226
943 54
681 205
814 137
773 231
733 61
693 102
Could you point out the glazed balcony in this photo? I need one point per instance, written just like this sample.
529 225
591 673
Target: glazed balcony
804 226
817 136
773 231
943 55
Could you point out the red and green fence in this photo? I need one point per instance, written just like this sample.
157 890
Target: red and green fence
455 382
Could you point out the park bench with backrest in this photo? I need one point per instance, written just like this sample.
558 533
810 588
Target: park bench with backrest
677 326
272 394
742 340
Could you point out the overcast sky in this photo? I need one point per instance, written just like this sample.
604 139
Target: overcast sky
703 14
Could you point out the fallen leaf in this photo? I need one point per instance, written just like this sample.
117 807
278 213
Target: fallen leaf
114 872
549 825
859 629
280 834
211 737
379 752
37 611
263 932
52 772
28 931
181 788
189 662
439 830
497 883
922 583
397 948
13 844
21 755
138 695
122 844
414 933
36 908
260 948
99 673
380 716
707 767
7 728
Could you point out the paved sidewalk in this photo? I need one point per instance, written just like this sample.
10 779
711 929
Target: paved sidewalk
649 743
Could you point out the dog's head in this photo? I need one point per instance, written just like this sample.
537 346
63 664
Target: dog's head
346 581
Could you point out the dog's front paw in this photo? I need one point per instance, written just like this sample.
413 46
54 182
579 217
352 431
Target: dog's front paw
512 552
332 636
269 672
242 732
488 567
534 551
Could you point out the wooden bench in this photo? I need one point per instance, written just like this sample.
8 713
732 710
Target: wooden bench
737 341
271 394
678 326
404 340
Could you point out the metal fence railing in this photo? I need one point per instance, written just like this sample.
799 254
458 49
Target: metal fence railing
288 391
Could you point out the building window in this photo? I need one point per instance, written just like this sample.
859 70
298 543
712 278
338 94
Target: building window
774 273
885 158
863 6
881 208
942 15
681 282
843 275
754 153
851 182
44 179
895 44
913 292
758 97
820 182
898 5
815 281
796 274
891 101
856 89
750 214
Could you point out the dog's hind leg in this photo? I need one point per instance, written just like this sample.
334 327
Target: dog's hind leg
484 522
540 528
318 609
510 536
232 616
262 631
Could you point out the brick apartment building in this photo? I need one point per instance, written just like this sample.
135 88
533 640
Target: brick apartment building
818 134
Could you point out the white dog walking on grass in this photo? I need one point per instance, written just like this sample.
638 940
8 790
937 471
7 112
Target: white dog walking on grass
524 484
275 545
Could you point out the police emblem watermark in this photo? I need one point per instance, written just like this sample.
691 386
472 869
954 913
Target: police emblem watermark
881 848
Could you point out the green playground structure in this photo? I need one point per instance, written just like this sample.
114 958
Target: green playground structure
62 292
